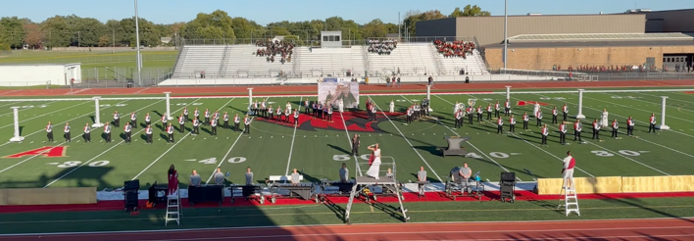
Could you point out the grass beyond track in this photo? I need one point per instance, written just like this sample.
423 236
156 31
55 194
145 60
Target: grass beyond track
275 149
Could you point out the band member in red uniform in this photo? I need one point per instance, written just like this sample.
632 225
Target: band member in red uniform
148 134
185 113
512 124
116 119
170 131
107 132
164 120
207 116
615 128
296 118
133 120
497 107
565 110
270 113
196 126
247 123
470 114
489 112
49 131
87 133
237 120
596 129
630 126
526 119
651 123
538 116
562 133
196 113
578 127
226 120
555 112
67 135
181 123
507 108
128 132
307 106
545 133
148 119
173 180
458 119
213 126
499 126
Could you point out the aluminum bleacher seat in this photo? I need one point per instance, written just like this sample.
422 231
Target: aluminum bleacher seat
411 58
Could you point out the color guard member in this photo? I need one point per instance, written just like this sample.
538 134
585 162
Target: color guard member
296 118
330 113
565 110
87 133
555 112
196 126
499 126
226 119
526 119
170 131
578 127
596 129
237 120
148 133
512 124
497 107
148 119
116 119
49 132
213 126
133 120
181 123
459 119
538 116
651 123
107 132
196 113
247 123
630 126
66 129
615 128
392 106
288 106
128 132
507 108
489 111
207 115
545 133
562 133
287 113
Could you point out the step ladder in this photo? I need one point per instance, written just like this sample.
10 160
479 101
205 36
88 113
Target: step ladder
568 192
173 209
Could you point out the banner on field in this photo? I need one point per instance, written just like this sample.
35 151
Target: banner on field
333 91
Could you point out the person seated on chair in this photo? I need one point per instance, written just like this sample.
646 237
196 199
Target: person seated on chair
344 173
466 173
296 178
421 179
249 176
219 177
195 179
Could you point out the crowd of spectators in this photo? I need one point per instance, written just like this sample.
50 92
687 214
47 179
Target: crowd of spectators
382 47
606 68
281 49
453 49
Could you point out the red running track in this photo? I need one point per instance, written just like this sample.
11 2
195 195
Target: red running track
629 229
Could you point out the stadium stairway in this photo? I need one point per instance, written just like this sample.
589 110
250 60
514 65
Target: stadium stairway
197 58
473 64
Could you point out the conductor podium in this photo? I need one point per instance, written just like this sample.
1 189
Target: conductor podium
453 148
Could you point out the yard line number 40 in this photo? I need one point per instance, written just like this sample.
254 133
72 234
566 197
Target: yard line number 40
69 164
213 160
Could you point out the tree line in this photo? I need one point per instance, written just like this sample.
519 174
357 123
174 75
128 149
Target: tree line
72 30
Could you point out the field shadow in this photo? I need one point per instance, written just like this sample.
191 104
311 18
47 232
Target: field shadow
163 136
206 130
143 125
21 130
93 118
122 136
335 208
157 113
340 149
434 150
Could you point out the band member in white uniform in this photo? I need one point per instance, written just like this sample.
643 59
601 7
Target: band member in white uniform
512 124
116 119
226 119
287 112
128 132
562 133
196 126
651 123
148 119
148 133
87 133
170 131
164 120
307 106
67 132
279 114
536 108
375 168
296 117
392 106
330 113
341 106
247 123
604 121
288 107
49 131
538 116
133 120
107 132
630 126
270 112
373 112
181 123
263 108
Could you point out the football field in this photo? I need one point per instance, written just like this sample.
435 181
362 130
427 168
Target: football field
319 147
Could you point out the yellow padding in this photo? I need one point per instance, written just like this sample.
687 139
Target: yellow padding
584 185
48 196
658 184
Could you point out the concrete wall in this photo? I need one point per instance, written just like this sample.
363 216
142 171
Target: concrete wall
28 75
545 58
672 21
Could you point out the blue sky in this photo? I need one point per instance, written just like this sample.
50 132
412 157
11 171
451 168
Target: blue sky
169 11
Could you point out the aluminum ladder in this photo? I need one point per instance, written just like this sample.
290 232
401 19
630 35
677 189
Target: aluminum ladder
568 191
173 209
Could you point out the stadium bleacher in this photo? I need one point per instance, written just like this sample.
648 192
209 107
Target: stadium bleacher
316 62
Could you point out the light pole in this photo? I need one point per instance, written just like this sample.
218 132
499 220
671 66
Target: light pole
505 34
137 39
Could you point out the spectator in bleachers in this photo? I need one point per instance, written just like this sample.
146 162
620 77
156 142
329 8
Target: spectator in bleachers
282 49
455 48
382 46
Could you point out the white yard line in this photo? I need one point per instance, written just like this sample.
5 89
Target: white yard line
170 148
468 142
349 139
226 155
291 148
543 150
625 106
39 116
40 130
21 109
13 103
614 152
104 152
408 141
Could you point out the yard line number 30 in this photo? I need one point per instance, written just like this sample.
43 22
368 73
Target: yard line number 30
620 152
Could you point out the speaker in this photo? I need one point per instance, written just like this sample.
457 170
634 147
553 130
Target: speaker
508 177
131 185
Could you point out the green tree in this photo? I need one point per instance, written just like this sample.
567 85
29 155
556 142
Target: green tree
56 31
412 17
214 26
376 28
469 11
12 31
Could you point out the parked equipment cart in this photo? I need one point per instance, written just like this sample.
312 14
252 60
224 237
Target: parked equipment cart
131 191
507 186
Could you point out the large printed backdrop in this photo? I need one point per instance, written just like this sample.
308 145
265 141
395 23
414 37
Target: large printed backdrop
332 91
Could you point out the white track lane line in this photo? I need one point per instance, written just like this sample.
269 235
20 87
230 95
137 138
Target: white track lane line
62 143
468 142
107 150
38 116
613 152
408 141
291 148
171 148
536 147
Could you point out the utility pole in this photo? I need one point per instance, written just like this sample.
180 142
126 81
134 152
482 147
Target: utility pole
137 39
